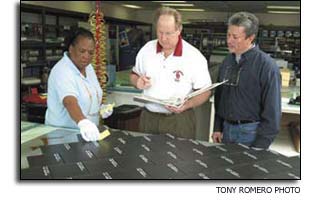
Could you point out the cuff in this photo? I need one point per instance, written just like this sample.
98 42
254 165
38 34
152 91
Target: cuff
218 124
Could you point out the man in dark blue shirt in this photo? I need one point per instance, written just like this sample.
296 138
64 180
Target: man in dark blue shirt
248 105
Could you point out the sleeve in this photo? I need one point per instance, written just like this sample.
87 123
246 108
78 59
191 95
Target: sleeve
271 107
218 121
138 68
64 85
201 76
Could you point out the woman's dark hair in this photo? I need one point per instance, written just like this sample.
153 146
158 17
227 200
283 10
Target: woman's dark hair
71 38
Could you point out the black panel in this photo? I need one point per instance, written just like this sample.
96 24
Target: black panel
122 156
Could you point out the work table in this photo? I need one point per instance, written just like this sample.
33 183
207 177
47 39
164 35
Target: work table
62 154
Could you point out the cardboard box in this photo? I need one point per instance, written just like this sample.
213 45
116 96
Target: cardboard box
285 83
285 73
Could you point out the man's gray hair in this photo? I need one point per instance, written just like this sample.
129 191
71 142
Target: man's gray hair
247 20
171 12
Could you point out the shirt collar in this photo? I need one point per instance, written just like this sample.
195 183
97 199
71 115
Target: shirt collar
72 65
247 53
178 48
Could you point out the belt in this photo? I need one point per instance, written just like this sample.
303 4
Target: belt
237 122
160 113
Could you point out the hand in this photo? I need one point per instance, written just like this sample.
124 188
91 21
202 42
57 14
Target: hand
106 110
175 109
88 130
185 106
217 137
143 82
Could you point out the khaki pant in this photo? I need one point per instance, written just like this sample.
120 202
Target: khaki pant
179 125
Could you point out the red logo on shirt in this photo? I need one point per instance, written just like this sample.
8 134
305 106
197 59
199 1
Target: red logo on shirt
178 74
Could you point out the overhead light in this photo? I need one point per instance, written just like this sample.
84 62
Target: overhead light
191 9
283 12
178 5
131 6
284 7
170 1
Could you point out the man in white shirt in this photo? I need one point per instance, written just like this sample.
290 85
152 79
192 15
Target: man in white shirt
166 68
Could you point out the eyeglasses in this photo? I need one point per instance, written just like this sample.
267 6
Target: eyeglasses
232 74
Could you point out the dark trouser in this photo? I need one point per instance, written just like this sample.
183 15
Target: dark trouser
240 133
179 125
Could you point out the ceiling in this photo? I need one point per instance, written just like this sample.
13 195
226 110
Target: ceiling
216 6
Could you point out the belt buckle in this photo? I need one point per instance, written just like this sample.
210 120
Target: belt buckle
167 114
234 122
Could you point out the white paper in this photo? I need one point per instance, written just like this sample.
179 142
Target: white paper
175 101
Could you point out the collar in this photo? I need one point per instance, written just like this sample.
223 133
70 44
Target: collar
178 48
72 65
247 54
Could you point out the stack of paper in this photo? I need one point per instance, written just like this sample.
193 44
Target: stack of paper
175 101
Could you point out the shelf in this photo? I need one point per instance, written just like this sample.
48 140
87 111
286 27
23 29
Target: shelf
53 45
33 64
31 44
289 45
56 24
296 57
47 41
30 81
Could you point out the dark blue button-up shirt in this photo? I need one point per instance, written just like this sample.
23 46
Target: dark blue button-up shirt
252 93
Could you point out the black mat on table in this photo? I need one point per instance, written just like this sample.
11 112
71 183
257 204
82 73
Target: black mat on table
122 156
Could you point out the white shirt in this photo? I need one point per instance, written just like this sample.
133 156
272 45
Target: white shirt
177 75
64 80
